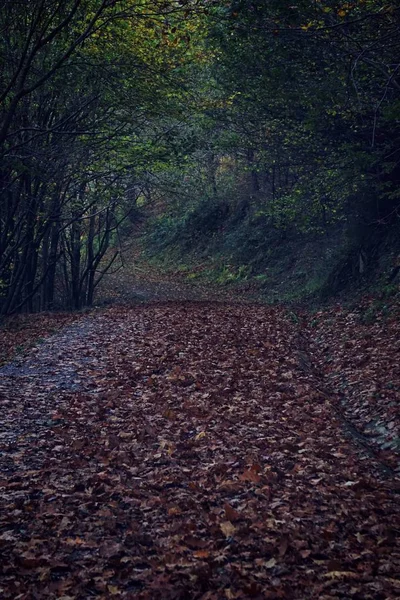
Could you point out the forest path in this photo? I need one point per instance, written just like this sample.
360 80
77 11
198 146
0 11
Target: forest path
143 280
182 450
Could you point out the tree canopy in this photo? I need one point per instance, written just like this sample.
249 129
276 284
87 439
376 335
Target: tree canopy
290 109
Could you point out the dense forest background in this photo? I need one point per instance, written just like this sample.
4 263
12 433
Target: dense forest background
258 140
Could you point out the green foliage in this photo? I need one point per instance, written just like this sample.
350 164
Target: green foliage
91 97
232 274
189 230
248 125
297 131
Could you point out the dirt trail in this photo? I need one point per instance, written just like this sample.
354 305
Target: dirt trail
183 451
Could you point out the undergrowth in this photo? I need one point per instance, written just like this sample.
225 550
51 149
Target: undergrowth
231 244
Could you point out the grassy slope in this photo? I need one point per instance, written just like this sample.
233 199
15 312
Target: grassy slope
243 251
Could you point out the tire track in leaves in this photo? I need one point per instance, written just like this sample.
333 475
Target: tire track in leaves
196 460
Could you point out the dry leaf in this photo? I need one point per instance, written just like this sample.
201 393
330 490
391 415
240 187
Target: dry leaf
270 564
201 553
230 513
227 528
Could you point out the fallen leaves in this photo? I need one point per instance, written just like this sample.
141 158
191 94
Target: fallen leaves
193 459
20 333
356 354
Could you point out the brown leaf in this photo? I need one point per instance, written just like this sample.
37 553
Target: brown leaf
227 528
283 546
250 475
194 542
342 575
201 553
230 513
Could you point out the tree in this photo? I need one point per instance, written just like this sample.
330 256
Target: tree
79 82
314 90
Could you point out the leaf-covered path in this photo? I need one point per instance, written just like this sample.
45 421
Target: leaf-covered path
184 451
